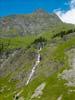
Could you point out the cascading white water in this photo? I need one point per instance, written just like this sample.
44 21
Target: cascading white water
34 67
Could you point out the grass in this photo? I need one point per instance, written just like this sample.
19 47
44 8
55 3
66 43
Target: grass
56 53
55 87
17 42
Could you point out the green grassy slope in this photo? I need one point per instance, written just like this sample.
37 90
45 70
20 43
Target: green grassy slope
53 61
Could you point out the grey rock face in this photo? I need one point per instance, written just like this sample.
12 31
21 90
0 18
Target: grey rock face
37 22
69 74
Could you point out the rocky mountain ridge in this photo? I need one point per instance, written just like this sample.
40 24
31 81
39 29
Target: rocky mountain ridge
36 66
37 22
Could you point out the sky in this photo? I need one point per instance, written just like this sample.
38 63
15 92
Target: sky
65 9
67 16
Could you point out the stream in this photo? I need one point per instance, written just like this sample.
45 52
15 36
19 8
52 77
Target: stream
34 67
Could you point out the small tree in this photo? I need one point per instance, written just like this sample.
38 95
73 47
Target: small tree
62 33
39 42
1 47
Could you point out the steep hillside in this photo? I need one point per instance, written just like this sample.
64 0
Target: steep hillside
37 22
37 66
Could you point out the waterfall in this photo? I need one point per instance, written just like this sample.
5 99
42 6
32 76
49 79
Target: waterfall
34 67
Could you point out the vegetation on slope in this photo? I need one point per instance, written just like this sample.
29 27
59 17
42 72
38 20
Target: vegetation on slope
53 61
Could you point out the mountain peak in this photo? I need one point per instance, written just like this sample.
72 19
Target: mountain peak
37 22
41 12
